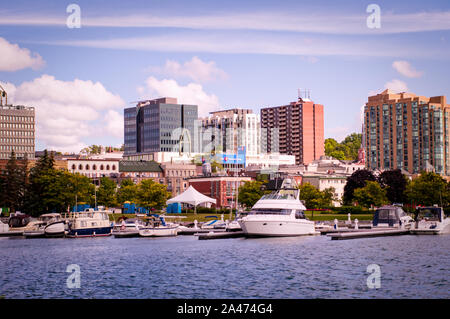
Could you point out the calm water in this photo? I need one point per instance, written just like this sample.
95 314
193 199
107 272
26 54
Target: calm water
185 267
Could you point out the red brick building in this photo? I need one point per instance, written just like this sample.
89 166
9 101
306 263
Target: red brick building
222 188
300 130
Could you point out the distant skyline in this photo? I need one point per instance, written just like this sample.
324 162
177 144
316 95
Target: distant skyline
250 54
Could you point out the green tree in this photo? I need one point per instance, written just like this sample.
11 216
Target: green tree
106 193
216 166
151 194
428 189
370 195
346 150
250 193
13 180
357 180
314 198
127 192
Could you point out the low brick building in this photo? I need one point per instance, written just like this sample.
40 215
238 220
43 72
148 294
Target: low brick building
222 188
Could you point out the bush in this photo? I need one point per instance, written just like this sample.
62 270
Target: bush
354 210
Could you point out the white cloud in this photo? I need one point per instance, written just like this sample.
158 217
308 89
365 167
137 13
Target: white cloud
113 123
406 69
192 93
14 58
396 86
195 69
67 112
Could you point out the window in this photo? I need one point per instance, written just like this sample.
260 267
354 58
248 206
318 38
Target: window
73 166
87 167
80 167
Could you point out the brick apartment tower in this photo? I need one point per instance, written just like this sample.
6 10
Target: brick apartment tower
300 130
408 132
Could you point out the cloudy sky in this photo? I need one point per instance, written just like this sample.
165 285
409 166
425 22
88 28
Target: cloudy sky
247 54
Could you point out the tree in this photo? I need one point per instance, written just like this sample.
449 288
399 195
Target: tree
151 194
106 193
127 192
13 184
370 195
216 166
346 150
428 189
314 198
394 182
357 180
250 193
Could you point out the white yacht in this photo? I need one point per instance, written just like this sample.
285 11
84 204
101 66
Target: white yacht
280 213
431 220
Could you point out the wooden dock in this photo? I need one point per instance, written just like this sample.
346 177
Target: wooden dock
221 235
12 233
195 231
367 233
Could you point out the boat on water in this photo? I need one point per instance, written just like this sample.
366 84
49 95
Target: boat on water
89 223
391 216
280 213
46 225
157 227
55 225
215 223
431 221
127 228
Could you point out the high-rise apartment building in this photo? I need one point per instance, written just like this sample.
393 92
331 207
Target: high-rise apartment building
294 129
231 129
17 131
151 126
406 131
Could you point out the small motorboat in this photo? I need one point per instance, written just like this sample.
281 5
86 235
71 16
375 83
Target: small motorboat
233 226
157 227
431 221
214 223
128 228
55 225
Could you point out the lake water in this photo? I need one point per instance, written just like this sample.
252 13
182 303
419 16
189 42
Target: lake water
185 267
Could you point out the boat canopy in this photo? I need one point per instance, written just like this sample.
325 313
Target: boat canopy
388 215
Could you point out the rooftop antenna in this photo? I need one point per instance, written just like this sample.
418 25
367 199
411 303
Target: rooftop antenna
3 94
304 94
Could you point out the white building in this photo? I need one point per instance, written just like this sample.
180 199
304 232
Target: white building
94 168
324 181
227 130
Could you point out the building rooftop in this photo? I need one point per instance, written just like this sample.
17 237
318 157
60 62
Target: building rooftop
139 166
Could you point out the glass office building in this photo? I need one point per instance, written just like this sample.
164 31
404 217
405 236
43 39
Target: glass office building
156 126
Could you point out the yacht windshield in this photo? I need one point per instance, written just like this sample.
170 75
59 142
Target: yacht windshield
270 211
284 194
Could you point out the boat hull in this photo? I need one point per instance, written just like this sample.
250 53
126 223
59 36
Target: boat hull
262 228
90 232
56 229
34 234
158 232
126 234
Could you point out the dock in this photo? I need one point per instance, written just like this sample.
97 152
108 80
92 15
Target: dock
194 231
221 235
367 234
11 233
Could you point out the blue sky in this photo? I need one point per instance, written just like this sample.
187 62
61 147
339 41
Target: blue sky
248 54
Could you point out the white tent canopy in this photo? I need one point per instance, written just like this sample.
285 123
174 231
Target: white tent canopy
191 196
